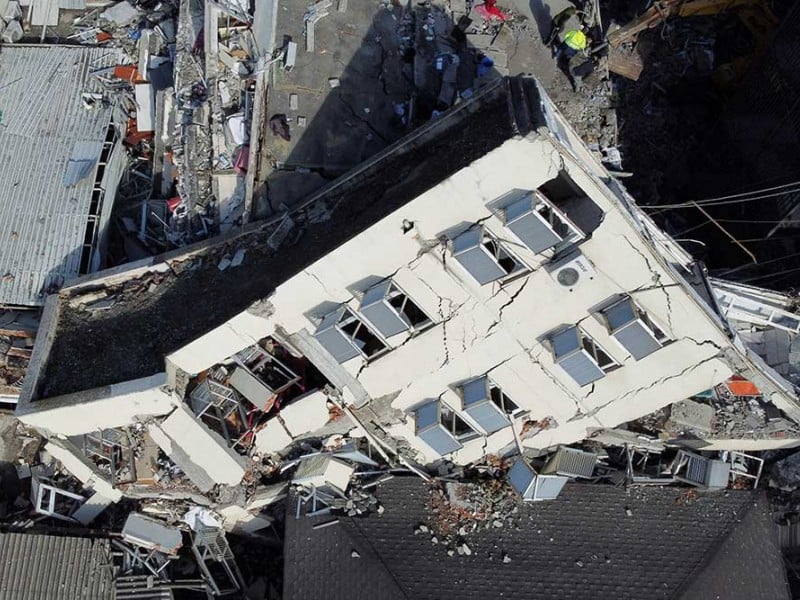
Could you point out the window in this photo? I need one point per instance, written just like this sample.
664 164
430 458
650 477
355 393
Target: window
457 426
533 486
345 336
572 201
391 311
502 401
484 257
535 220
580 356
633 328
486 404
436 429
600 356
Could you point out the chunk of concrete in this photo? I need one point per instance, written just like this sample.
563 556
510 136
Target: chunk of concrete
273 437
306 413
237 520
268 495
692 414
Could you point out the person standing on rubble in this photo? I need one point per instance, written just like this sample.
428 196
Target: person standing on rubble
572 57
570 42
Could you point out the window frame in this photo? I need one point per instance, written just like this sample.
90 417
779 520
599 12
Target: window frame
487 237
346 317
594 349
445 413
390 291
547 212
589 354
501 404
656 332
355 317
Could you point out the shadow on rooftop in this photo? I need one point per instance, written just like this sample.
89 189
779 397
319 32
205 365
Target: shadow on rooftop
349 99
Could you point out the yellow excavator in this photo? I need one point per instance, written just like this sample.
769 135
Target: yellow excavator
754 14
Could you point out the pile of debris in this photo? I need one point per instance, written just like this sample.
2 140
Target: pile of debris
17 336
463 507
734 410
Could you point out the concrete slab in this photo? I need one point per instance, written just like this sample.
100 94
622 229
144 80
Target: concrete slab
205 449
306 413
272 438
237 520
92 508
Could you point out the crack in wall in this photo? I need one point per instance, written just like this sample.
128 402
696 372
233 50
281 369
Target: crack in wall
703 343
656 279
320 282
662 380
568 393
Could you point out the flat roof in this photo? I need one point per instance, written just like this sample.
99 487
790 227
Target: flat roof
49 146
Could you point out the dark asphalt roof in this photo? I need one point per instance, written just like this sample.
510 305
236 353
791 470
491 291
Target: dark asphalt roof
130 339
584 545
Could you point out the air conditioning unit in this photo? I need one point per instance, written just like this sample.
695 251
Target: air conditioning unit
571 270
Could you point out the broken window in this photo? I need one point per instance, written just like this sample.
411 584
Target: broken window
580 356
484 256
633 328
391 311
502 401
455 424
486 404
568 198
536 221
267 369
346 336
54 502
531 485
434 429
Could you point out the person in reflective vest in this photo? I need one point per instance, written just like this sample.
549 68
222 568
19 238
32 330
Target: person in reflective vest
575 40
572 57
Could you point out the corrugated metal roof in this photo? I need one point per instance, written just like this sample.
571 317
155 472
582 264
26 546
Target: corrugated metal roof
45 12
42 221
72 4
44 567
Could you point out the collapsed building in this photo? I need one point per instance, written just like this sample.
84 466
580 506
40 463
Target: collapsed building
461 305
438 306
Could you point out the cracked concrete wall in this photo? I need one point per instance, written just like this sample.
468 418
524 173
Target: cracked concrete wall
114 405
497 329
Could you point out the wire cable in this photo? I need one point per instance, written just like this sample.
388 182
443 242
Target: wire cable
722 200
